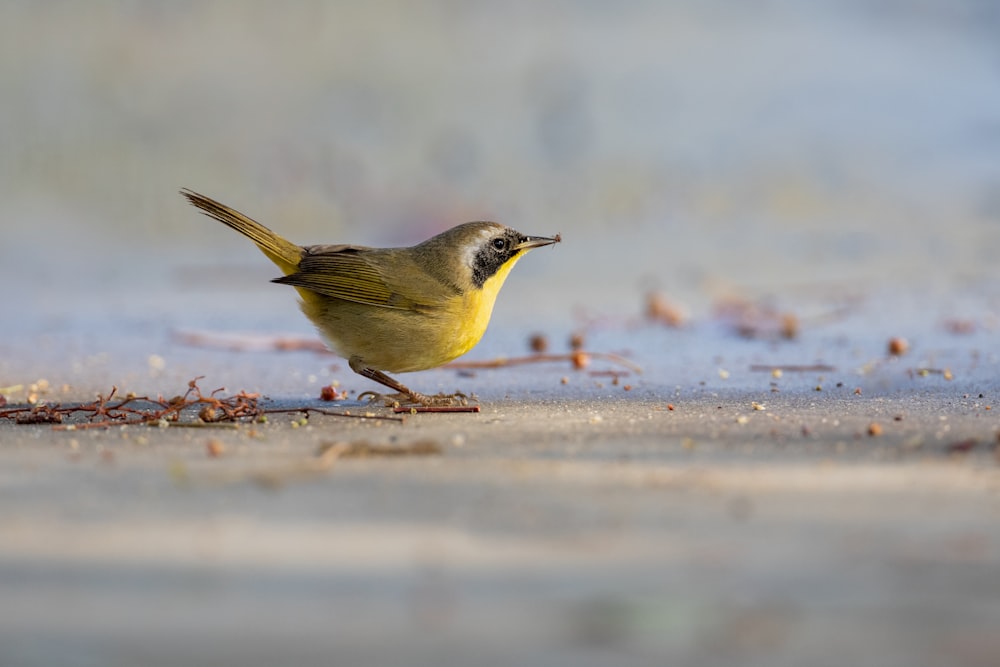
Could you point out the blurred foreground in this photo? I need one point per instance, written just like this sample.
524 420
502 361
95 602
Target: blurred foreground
800 184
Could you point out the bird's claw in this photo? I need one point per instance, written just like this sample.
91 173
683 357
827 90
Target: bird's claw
414 398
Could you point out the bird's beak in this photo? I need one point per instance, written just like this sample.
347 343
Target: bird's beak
530 242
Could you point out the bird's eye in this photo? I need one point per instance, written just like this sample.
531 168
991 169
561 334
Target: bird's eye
499 244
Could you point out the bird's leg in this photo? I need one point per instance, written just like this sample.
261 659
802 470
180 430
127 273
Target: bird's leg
401 390
397 386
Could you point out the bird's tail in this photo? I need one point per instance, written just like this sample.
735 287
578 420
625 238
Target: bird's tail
282 252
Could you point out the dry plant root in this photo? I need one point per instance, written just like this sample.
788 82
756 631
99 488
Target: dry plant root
211 410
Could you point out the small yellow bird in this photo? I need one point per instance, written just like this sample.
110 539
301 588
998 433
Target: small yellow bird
394 309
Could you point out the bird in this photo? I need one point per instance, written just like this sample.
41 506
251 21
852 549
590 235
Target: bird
393 310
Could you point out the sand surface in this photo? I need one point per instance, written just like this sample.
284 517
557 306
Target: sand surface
730 516
827 170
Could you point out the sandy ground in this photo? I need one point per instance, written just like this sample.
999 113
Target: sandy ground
574 523
835 161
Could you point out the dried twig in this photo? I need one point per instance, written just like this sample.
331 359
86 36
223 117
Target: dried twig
212 410
572 357
362 449
792 368
245 342
330 413
413 409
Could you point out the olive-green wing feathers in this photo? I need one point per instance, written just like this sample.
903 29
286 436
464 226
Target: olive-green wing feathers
353 273
385 278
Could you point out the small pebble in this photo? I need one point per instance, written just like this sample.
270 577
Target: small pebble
898 346
214 448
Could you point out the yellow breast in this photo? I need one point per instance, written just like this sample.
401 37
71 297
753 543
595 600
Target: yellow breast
477 308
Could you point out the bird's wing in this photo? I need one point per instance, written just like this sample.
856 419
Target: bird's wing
365 275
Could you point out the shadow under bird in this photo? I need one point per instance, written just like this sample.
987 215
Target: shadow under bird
394 310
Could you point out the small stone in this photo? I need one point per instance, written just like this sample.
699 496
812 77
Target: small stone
214 448
538 343
898 346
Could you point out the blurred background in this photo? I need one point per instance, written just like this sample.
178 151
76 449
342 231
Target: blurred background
708 149
693 145
808 153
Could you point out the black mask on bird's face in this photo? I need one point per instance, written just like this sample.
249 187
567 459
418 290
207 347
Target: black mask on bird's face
494 253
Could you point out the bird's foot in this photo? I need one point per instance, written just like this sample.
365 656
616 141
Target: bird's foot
415 398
